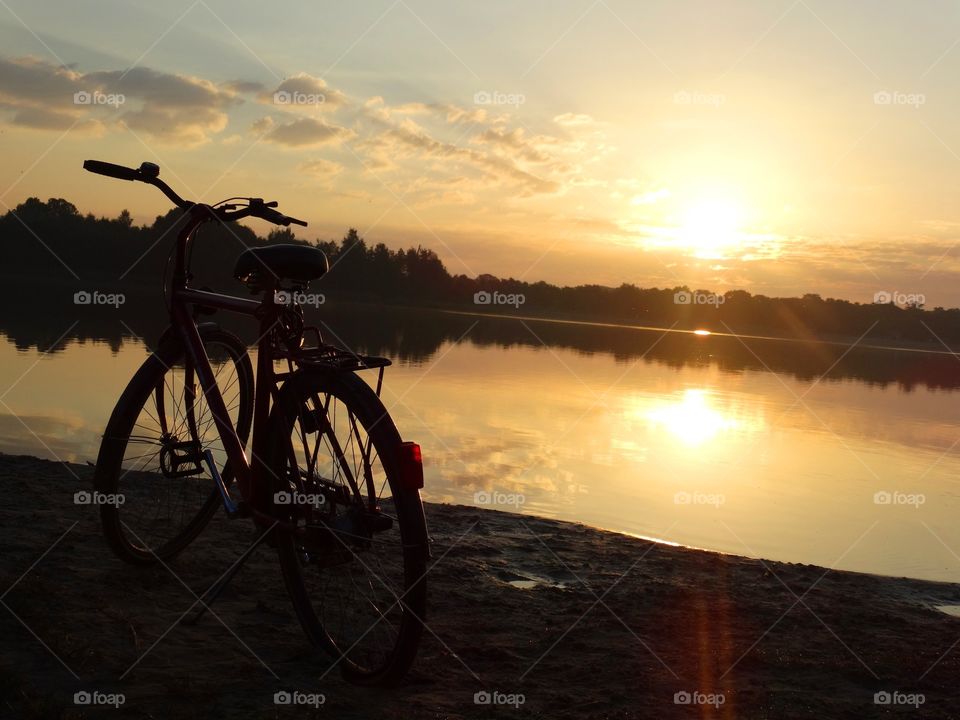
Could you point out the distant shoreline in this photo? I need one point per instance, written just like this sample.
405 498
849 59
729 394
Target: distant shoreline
153 296
837 342
113 255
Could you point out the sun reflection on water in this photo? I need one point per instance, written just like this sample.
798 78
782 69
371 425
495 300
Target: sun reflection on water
694 418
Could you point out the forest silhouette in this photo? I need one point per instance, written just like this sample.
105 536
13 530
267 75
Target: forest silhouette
54 244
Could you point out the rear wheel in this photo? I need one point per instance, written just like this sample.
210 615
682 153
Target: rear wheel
356 576
152 457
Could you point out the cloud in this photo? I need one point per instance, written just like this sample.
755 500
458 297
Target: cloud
452 114
160 88
405 139
36 81
498 166
429 148
302 132
457 115
245 87
170 107
575 120
304 92
39 118
513 141
36 94
502 155
192 128
411 108
321 169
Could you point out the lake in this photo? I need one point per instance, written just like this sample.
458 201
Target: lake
803 452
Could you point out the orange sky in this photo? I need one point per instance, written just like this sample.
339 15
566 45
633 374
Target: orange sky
777 147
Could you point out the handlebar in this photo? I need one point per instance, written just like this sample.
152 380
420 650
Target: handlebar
149 173
110 170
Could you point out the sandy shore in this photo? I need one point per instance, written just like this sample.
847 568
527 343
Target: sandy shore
575 622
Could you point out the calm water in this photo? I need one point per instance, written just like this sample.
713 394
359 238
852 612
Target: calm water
734 444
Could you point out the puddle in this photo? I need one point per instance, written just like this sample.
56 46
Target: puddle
524 584
528 581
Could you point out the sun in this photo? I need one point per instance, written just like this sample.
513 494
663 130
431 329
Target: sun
708 222
710 226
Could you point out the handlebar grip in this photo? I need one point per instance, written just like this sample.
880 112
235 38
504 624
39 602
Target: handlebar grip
110 170
277 218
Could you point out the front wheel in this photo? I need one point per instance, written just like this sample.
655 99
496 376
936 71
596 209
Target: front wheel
355 572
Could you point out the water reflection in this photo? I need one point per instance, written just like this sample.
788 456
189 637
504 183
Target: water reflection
694 418
606 426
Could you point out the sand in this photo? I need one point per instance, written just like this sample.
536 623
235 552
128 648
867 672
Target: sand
552 619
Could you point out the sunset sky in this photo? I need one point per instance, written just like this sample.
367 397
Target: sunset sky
780 147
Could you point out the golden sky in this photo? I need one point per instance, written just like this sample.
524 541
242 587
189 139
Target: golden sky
780 147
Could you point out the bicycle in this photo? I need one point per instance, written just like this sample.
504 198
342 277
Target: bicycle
329 482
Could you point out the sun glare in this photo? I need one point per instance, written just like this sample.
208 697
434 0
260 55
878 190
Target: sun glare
711 226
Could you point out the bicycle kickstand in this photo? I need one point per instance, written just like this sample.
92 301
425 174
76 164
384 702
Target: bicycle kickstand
213 592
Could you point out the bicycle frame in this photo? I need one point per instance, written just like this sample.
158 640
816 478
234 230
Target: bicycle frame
250 476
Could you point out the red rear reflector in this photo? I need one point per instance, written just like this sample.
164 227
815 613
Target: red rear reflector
411 466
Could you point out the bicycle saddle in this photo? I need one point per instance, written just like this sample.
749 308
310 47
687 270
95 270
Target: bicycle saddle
263 267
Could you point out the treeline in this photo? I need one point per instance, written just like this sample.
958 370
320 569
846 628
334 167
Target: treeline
53 242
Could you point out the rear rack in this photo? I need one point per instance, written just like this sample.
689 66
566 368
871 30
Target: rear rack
337 358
